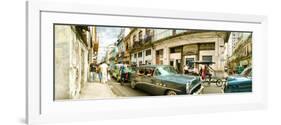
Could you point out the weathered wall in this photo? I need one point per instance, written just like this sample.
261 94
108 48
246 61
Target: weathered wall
62 61
71 63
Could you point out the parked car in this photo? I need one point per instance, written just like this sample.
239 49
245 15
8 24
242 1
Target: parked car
128 72
164 80
240 83
116 71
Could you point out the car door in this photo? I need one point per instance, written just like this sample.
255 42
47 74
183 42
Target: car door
140 80
149 80
246 85
156 83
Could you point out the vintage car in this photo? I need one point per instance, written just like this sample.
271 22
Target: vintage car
127 76
164 80
116 71
128 72
239 83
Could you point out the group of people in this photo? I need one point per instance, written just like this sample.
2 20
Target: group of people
203 71
101 71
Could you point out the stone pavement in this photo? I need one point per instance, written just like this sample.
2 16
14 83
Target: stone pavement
96 90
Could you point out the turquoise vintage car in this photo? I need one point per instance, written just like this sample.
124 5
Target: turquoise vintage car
164 80
240 83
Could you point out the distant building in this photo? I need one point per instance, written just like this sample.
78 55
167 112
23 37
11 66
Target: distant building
95 45
111 53
241 51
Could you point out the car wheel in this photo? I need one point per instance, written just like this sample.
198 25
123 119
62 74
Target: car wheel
171 92
219 83
133 84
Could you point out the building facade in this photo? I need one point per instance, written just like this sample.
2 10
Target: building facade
178 47
140 46
72 50
241 54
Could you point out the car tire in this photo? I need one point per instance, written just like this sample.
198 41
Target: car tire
133 84
219 83
171 92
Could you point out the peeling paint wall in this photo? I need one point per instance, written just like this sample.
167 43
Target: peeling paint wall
71 63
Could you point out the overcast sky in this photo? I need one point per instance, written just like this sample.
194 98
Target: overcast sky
106 35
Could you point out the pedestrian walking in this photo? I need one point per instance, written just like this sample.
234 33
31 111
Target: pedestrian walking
99 73
103 69
93 71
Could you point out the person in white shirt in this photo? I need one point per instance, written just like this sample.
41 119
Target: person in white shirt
103 70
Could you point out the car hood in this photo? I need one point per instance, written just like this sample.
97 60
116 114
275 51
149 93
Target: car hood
237 78
177 78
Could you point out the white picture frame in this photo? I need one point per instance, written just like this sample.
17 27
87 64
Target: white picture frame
42 109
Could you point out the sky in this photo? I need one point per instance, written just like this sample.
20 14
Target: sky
106 35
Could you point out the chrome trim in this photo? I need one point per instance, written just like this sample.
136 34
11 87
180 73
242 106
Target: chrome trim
200 83
187 87
164 87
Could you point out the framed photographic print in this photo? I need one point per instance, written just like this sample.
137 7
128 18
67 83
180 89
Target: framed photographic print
91 62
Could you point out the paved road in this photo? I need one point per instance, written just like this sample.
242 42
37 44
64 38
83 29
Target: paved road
125 90
113 89
211 89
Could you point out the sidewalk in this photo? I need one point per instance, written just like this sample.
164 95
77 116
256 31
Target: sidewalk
96 90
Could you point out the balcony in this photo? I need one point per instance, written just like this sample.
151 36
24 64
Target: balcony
136 44
147 38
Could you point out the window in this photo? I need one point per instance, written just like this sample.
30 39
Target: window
247 72
175 50
207 58
159 56
140 54
134 38
207 46
159 53
157 72
149 71
171 63
165 71
140 36
135 55
141 71
189 62
148 52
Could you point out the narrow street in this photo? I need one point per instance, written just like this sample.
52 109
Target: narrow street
125 90
111 89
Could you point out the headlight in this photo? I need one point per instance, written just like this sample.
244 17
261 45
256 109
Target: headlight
187 87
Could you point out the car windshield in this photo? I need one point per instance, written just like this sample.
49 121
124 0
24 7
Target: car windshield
247 72
165 71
